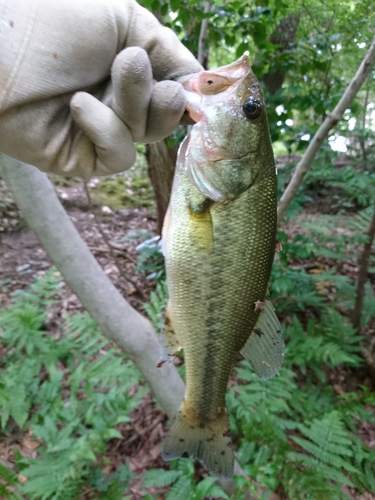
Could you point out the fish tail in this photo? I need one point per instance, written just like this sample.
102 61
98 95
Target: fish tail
209 443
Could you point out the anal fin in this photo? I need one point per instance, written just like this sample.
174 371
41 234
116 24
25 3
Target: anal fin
264 349
169 344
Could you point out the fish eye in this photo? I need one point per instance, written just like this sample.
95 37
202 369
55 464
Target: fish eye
252 108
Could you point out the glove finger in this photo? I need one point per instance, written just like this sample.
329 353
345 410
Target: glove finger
169 58
132 88
112 140
166 109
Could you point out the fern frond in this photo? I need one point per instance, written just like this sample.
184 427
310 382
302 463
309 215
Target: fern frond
47 477
159 478
182 489
330 447
158 302
208 488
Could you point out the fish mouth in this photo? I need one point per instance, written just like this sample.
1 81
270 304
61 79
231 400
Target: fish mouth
207 83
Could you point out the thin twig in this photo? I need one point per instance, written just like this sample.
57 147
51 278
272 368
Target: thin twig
331 120
362 139
126 278
203 34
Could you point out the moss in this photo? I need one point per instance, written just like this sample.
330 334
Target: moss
130 189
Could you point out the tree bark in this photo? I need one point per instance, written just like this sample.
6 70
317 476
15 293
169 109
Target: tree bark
363 263
331 120
284 37
161 161
202 56
133 333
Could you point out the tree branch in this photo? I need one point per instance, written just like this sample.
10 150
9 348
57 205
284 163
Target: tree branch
363 264
331 120
132 332
203 35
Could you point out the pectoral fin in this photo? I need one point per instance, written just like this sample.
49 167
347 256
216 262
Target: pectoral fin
264 348
201 226
169 344
165 231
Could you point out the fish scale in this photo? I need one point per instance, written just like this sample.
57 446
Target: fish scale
219 241
221 300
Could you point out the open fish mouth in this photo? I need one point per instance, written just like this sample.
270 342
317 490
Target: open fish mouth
214 82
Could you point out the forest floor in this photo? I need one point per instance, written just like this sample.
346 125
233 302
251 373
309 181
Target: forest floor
23 259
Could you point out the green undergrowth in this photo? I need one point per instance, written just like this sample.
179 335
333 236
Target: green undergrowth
295 288
297 433
69 390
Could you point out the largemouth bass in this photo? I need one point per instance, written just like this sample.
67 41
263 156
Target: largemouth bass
219 240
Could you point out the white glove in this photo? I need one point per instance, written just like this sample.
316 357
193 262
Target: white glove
73 98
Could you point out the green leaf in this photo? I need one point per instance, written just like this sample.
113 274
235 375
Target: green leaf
160 478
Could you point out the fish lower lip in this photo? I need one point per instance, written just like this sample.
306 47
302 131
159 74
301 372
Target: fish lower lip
194 112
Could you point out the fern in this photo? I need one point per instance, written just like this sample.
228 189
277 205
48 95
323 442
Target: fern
181 480
182 489
159 478
9 478
355 186
307 484
150 259
208 488
50 478
158 303
328 441
332 341
76 404
111 487
22 329
270 413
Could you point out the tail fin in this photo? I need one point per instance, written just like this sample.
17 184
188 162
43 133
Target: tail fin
209 443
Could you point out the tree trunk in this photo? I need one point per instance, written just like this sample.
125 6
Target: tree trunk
161 161
284 36
363 263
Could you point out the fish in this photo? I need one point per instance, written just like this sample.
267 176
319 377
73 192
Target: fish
218 241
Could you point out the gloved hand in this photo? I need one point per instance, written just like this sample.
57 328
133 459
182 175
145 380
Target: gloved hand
73 97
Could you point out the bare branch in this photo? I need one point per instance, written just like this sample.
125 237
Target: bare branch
132 332
203 35
331 120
